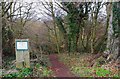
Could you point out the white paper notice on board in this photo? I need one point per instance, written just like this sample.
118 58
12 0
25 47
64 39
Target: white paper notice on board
22 45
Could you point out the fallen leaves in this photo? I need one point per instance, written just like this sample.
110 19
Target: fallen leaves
80 65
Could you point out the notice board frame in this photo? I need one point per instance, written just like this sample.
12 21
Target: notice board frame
22 40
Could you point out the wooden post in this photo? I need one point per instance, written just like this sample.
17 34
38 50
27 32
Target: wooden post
22 53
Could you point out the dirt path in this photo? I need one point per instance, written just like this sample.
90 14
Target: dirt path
59 69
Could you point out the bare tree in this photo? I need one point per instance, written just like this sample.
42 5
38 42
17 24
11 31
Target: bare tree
14 14
50 12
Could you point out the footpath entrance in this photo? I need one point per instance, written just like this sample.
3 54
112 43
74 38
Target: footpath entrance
59 69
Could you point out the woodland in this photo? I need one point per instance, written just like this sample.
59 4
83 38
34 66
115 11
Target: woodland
82 38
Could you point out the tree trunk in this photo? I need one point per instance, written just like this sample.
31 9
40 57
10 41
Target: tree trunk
56 36
110 29
119 31
112 48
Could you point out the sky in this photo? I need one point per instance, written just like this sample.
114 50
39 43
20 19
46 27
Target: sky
39 9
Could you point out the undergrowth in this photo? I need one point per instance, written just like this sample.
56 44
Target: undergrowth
79 65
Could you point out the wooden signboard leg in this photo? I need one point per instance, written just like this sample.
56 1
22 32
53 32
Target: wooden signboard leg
19 59
26 59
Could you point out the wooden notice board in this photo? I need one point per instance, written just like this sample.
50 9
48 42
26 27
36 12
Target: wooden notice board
22 53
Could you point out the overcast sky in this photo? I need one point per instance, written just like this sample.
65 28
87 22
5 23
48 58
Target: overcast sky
39 9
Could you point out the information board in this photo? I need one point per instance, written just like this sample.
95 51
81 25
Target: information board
22 45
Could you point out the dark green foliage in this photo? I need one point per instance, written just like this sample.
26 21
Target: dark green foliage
116 23
7 32
7 40
116 18
24 72
75 16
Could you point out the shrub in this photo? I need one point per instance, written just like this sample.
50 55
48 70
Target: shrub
23 72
